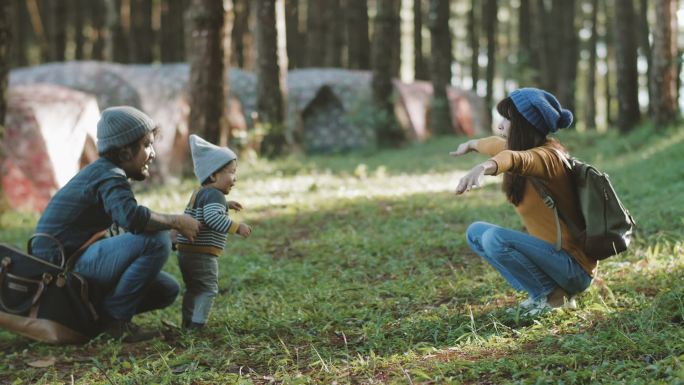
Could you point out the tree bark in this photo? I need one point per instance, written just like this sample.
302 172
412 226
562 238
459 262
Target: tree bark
5 49
645 46
241 14
567 54
173 37
142 35
98 28
440 37
207 73
419 69
608 41
316 34
591 74
664 72
293 34
474 38
56 28
386 130
490 17
79 24
334 20
20 33
116 44
626 60
358 41
269 89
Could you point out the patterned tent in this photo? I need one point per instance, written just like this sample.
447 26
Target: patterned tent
50 135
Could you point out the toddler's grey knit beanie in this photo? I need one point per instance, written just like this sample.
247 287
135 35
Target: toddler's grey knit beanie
208 158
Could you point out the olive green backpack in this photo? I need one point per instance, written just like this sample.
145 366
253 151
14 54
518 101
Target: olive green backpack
608 227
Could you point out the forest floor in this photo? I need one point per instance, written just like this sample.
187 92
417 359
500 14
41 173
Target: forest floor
357 271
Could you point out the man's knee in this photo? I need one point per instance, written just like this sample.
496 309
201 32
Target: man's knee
167 289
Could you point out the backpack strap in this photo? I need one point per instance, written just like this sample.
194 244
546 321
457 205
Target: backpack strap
193 198
550 203
74 257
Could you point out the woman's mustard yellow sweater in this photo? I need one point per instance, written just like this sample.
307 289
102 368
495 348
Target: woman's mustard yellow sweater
545 163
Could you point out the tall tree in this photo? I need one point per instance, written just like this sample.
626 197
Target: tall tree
172 44
269 89
358 41
316 34
207 73
567 52
98 27
419 65
334 21
610 60
525 38
115 45
645 46
440 71
394 18
591 74
5 49
474 38
293 35
56 28
78 14
626 61
664 71
142 35
490 22
20 31
241 15
386 130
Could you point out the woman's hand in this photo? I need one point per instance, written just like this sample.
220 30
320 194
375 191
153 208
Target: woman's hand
473 178
234 205
464 148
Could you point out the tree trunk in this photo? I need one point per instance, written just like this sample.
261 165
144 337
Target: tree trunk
116 44
626 60
293 34
474 38
646 48
440 37
609 43
419 67
334 20
269 91
567 54
664 63
5 49
316 34
79 24
20 31
56 28
386 129
357 34
525 38
172 45
142 35
591 75
395 44
490 17
241 11
207 73
98 28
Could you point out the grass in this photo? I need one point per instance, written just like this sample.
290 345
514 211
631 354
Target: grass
357 272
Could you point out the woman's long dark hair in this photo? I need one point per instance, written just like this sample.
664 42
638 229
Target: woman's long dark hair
522 136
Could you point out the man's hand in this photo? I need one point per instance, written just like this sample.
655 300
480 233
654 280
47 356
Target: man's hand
464 148
244 230
234 205
188 226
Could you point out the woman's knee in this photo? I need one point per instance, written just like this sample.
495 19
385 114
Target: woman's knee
493 240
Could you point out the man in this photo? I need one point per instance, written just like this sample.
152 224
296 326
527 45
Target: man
128 266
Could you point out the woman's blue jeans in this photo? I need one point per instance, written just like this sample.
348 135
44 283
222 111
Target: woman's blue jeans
128 268
527 263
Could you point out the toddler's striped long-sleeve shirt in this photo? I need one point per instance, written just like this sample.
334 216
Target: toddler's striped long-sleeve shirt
209 207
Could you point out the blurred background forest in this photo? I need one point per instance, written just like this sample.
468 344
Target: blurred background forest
300 76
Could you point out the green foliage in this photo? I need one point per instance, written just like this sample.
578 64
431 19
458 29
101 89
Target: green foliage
357 272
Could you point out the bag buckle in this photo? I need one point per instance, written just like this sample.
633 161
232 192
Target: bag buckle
47 278
6 262
61 280
548 201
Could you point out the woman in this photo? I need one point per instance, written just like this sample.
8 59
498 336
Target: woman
530 262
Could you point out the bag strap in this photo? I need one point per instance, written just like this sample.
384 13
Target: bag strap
29 248
74 257
550 203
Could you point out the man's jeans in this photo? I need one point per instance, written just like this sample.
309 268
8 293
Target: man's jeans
527 263
128 268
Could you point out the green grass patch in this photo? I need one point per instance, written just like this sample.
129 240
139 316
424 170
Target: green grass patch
357 271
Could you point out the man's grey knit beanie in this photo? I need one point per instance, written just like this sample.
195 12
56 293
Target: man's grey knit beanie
208 158
120 126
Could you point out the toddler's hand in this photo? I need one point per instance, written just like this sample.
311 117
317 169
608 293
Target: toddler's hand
244 230
234 205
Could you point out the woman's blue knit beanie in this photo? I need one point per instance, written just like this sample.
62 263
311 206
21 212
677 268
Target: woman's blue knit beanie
541 109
